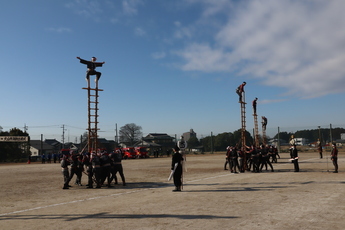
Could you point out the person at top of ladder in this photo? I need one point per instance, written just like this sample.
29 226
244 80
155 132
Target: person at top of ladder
240 91
91 67
254 105
264 122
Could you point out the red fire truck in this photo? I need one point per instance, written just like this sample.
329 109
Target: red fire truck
129 152
141 152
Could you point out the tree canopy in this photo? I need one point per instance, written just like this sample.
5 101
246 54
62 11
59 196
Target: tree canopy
130 133
313 135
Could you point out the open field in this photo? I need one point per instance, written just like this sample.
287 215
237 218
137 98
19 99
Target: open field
212 198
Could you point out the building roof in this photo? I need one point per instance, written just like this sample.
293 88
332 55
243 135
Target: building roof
37 145
53 142
146 144
158 136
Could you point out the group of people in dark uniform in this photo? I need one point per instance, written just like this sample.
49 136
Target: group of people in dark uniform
254 159
101 168
251 159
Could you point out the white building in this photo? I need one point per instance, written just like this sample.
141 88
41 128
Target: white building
342 136
301 141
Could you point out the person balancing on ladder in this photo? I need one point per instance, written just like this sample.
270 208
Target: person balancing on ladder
91 68
240 91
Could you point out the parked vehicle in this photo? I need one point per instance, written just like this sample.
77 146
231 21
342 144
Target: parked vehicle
129 152
141 152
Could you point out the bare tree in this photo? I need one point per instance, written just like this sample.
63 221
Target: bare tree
130 133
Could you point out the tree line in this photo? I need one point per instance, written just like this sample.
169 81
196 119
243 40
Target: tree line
221 141
326 135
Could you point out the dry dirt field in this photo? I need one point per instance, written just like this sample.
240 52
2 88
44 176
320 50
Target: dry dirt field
212 198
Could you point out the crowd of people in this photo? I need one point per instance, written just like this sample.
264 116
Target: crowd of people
255 159
100 168
251 159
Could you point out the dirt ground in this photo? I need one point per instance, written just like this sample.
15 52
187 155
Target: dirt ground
212 198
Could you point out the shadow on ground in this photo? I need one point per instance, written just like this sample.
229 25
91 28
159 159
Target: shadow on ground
74 217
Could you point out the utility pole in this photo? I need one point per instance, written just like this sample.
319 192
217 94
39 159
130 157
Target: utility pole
63 136
28 142
41 144
320 135
330 133
278 140
116 136
25 128
211 142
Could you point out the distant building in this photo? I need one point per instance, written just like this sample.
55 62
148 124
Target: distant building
189 134
49 146
161 139
157 141
301 141
53 142
342 136
276 142
39 148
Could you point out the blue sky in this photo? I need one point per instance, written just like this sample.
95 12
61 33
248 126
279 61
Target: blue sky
172 66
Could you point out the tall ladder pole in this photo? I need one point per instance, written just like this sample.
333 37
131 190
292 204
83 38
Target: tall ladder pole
243 130
264 139
243 121
256 130
92 94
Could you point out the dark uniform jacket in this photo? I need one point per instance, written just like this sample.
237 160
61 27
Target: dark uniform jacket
91 65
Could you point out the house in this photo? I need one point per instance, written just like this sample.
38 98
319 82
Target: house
157 141
38 148
53 142
50 146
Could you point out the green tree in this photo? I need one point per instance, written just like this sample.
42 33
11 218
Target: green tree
285 136
193 142
223 140
208 143
238 136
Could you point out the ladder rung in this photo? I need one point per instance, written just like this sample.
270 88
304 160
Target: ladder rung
96 89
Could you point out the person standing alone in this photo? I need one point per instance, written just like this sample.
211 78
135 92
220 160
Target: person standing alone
334 157
294 157
176 165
